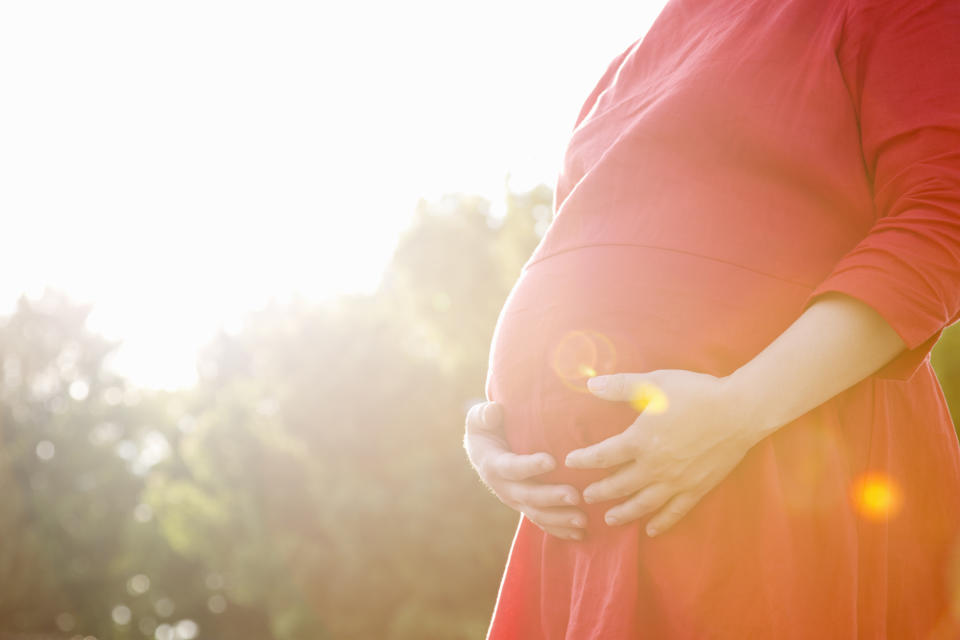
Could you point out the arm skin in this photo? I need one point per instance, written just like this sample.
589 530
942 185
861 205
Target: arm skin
672 458
836 343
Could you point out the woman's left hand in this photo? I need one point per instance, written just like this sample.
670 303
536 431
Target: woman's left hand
691 432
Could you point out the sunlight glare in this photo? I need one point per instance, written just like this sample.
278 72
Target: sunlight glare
649 398
178 164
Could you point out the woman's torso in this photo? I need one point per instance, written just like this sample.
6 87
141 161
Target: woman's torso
620 308
714 178
702 196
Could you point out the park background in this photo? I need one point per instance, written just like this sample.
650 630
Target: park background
253 257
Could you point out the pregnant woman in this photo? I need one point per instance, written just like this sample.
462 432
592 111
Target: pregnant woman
710 393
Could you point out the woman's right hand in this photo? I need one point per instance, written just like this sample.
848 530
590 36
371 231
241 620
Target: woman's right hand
512 477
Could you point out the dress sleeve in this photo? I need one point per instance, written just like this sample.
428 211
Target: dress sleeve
901 63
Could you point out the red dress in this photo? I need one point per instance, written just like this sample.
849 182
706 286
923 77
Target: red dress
740 159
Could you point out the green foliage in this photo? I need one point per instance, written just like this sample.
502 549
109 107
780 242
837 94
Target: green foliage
334 435
75 443
312 485
946 362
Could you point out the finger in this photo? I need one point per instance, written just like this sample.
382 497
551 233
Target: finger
542 495
643 502
671 513
639 390
516 466
482 438
617 386
623 482
565 533
477 416
554 517
612 451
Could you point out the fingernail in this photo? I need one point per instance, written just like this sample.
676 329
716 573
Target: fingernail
485 414
570 498
577 535
652 531
587 497
596 384
611 519
578 522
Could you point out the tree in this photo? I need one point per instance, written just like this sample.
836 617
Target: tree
312 485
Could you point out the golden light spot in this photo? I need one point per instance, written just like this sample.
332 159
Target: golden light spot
876 496
649 398
580 355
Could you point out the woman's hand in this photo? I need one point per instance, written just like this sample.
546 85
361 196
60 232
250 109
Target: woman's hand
690 434
511 476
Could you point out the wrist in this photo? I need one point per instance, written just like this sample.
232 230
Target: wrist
751 405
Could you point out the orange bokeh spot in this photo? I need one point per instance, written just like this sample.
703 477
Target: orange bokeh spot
582 354
876 496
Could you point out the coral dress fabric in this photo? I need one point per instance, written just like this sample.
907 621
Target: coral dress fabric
739 160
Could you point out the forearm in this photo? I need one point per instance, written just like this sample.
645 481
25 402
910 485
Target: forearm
837 342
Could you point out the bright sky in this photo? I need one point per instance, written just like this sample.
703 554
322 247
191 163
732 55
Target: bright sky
178 163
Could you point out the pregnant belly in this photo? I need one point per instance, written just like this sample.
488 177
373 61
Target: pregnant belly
620 309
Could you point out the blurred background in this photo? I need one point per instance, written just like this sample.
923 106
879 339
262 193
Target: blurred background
251 261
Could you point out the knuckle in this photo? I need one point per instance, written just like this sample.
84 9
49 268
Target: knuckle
633 446
641 506
675 511
473 416
649 500
672 513
630 510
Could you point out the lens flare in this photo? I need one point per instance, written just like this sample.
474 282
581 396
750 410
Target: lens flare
876 496
649 398
582 354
